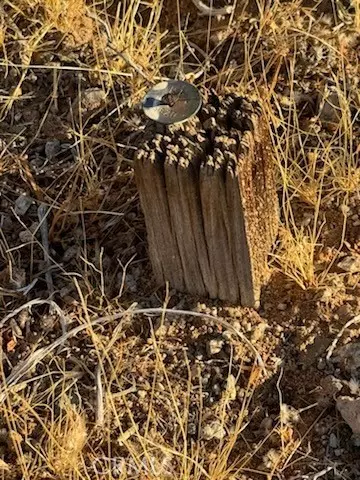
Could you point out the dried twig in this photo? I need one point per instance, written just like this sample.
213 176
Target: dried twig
322 473
24 290
332 347
99 414
210 11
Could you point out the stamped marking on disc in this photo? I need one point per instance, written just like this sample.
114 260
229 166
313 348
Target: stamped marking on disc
172 101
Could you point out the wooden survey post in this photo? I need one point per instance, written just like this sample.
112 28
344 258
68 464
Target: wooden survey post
209 199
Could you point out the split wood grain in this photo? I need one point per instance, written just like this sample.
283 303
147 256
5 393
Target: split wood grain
210 204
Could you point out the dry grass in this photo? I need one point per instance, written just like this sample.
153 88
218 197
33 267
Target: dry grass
70 446
66 441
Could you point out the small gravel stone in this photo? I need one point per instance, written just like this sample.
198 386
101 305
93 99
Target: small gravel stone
248 326
338 452
52 148
333 441
282 306
210 123
307 219
331 110
321 364
93 98
22 204
350 264
70 253
142 394
161 331
216 389
347 358
345 209
331 385
215 346
201 307
214 430
4 435
355 440
191 429
266 425
258 332
25 236
350 411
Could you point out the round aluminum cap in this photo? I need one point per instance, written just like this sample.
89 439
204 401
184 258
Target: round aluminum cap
172 101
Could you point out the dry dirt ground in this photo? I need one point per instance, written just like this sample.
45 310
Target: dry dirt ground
99 379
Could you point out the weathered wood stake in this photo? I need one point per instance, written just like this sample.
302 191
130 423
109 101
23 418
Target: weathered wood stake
208 195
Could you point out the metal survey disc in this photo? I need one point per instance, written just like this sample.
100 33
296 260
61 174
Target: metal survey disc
172 101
